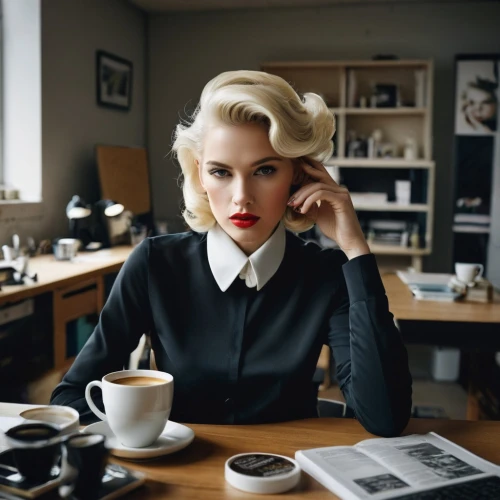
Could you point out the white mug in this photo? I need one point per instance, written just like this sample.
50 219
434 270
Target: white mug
137 404
468 273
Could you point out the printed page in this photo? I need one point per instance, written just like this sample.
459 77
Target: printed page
357 474
427 460
5 424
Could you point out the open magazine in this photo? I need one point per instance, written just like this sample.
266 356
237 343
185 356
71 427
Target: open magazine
410 467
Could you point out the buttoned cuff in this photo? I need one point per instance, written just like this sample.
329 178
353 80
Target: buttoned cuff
363 278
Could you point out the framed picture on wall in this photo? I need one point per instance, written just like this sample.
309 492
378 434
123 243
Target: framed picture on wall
476 107
113 81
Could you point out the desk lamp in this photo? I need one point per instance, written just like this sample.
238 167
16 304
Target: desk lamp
78 213
107 216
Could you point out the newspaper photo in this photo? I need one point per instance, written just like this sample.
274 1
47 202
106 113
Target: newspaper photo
393 467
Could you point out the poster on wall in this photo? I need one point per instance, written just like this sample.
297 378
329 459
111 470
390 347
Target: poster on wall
113 81
477 96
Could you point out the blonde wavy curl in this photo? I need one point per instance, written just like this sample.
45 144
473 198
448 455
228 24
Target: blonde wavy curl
297 126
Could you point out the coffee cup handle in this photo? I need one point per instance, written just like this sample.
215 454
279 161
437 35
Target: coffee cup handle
480 270
88 397
68 473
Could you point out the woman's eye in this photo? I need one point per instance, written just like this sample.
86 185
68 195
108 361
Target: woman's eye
219 173
265 171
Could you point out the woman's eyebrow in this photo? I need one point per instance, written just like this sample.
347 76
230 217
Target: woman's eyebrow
255 164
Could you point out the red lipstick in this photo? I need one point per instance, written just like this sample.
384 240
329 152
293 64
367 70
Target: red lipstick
244 221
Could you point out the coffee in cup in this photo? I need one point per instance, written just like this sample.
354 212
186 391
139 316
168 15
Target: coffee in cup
137 404
139 381
468 273
66 418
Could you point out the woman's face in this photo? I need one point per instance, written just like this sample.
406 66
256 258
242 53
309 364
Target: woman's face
247 182
481 104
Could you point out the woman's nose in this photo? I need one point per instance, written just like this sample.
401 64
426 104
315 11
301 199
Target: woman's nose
242 194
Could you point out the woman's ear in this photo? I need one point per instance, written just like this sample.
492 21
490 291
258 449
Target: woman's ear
299 175
198 166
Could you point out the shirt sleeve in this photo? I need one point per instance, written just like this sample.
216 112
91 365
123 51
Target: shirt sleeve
123 319
371 359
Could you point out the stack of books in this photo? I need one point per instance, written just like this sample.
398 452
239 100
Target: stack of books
388 232
368 198
431 286
482 291
471 223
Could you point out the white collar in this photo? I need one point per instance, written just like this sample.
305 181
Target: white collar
227 260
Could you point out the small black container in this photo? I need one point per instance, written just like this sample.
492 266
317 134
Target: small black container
36 449
87 453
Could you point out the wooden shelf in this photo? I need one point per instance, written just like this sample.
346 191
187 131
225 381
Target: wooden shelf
342 84
378 163
379 111
393 207
378 249
406 63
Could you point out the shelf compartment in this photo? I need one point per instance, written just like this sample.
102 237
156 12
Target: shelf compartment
393 207
378 163
325 81
380 111
271 66
397 250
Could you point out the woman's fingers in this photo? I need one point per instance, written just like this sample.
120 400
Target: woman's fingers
318 171
336 199
300 196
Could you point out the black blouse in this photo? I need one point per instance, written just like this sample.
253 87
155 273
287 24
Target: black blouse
245 356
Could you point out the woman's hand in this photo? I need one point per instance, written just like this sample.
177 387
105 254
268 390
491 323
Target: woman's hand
335 216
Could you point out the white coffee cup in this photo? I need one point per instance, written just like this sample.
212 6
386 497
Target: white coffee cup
137 404
468 273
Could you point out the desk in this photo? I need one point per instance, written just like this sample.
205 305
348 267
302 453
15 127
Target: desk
466 325
406 308
77 288
198 471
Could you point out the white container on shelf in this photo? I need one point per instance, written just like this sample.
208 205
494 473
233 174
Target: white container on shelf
445 364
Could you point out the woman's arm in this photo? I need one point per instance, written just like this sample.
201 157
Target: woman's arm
371 360
124 318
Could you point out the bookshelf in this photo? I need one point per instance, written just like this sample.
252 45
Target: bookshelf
383 112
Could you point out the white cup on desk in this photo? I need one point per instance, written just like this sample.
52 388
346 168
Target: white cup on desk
137 404
468 273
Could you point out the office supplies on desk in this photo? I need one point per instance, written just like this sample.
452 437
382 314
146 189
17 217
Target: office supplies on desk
432 286
424 278
441 293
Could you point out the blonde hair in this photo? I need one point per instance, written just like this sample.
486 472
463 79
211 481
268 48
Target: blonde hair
297 127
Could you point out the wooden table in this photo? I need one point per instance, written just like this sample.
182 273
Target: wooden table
198 471
406 308
77 288
466 325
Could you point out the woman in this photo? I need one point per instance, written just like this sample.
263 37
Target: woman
239 309
480 105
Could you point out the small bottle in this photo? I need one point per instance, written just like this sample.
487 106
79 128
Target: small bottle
415 237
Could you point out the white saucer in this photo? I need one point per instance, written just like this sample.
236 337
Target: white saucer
174 437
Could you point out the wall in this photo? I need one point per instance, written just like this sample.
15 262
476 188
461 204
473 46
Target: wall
186 50
72 123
